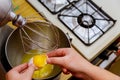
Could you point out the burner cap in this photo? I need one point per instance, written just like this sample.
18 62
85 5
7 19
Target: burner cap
86 20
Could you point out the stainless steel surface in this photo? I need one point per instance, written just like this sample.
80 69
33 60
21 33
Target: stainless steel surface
4 32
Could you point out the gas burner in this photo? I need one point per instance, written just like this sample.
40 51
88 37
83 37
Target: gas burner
86 20
55 6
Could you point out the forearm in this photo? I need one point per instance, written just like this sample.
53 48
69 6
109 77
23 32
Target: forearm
97 73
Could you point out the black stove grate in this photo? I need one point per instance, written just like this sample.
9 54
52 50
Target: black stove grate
55 6
86 20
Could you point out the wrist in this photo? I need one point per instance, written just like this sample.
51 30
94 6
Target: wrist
97 73
83 72
83 69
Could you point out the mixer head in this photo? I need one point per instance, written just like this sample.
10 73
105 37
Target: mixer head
5 9
7 15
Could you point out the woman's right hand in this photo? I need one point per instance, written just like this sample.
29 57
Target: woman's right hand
79 67
69 60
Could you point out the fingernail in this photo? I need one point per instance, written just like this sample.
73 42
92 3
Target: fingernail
48 61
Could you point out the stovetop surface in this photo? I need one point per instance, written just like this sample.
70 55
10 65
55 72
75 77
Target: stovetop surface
87 21
89 52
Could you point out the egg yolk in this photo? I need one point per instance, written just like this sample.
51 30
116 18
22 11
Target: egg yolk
40 60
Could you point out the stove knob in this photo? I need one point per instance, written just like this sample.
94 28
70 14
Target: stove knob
104 55
116 49
113 48
118 52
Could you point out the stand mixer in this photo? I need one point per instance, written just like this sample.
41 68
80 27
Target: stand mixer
28 36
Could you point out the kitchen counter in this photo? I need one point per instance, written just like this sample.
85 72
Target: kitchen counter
26 10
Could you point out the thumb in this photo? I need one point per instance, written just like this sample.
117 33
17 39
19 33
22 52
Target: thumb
55 60
30 70
20 68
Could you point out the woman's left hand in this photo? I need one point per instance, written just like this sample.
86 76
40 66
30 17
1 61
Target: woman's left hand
21 72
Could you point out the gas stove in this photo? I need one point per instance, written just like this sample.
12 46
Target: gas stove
82 17
92 24
86 20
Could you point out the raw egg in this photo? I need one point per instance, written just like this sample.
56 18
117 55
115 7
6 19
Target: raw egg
39 60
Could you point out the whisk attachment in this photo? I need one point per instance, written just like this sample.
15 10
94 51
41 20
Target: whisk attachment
36 35
43 36
39 35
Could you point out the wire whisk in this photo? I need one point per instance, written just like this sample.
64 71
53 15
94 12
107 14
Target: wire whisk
39 35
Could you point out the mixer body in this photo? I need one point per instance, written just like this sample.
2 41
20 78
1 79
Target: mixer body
6 14
5 11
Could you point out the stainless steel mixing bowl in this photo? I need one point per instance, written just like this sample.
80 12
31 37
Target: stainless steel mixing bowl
14 49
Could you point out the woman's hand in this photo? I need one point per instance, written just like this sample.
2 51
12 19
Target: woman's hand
69 60
79 67
21 72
